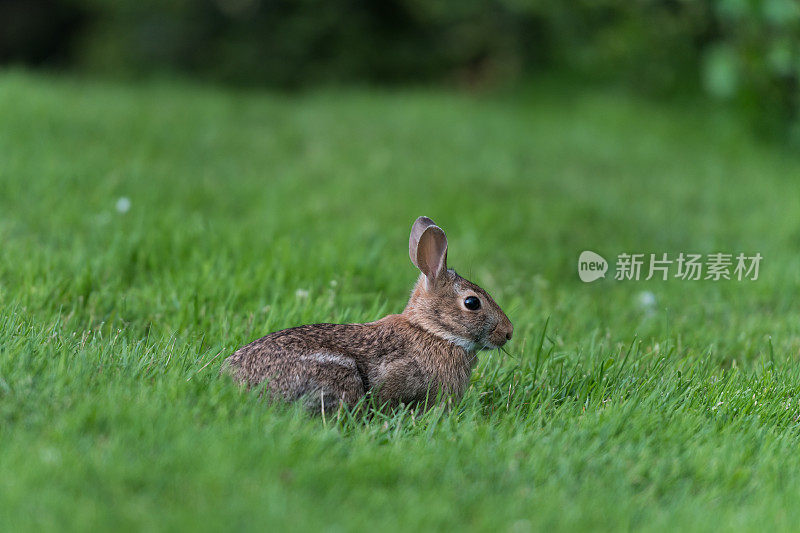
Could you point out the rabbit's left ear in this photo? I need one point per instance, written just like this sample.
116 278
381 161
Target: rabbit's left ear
427 247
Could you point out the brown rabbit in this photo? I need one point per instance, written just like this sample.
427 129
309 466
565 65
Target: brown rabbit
429 348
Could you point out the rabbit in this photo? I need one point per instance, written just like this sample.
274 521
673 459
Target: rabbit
428 351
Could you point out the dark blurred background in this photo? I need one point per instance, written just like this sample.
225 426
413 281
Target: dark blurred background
744 52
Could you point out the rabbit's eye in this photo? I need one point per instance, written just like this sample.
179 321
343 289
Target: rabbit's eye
472 303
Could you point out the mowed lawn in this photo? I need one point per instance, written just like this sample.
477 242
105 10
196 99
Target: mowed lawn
147 231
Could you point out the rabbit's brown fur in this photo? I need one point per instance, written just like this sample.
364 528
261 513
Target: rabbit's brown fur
429 348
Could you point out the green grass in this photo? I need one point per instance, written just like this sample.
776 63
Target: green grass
616 416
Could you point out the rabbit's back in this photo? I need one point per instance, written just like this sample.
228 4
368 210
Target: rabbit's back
303 362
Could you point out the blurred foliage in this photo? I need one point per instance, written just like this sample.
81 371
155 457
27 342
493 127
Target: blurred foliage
755 60
744 51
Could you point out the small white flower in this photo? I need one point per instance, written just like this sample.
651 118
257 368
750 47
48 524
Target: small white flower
646 300
301 294
123 204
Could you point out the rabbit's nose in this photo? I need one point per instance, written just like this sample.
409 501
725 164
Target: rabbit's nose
508 335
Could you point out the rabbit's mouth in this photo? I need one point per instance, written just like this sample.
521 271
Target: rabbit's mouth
499 336
494 342
488 345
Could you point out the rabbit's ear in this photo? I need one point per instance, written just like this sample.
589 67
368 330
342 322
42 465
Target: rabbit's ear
427 247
